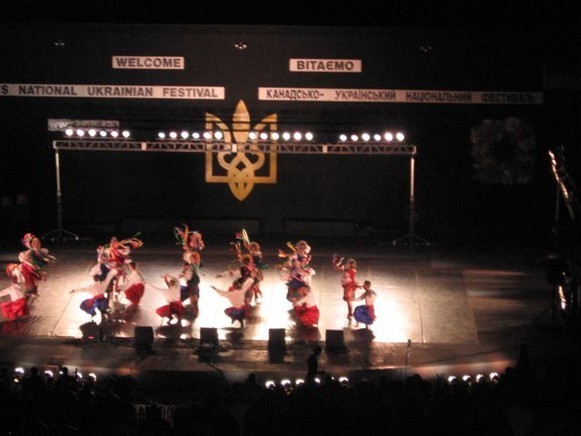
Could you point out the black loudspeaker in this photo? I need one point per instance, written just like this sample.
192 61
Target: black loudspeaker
334 340
208 337
143 336
276 339
91 332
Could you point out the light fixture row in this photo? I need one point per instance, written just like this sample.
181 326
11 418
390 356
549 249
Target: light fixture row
94 133
219 136
377 137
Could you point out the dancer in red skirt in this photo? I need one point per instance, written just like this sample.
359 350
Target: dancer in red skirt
348 282
133 284
306 308
32 264
174 309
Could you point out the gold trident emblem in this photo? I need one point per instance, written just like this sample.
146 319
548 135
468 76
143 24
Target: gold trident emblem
244 158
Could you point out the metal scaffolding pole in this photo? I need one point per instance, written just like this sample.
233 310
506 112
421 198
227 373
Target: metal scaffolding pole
411 238
59 234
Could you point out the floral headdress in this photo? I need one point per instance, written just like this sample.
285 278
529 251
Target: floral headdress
27 240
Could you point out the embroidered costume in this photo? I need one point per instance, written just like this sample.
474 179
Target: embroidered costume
13 304
306 309
348 282
174 309
32 264
365 313
100 291
296 270
190 274
133 284
236 294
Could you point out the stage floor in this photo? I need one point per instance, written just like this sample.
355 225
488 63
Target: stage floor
437 312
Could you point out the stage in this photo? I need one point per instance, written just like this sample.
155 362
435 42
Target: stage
439 312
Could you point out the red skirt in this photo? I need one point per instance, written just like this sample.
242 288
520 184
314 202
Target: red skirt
349 292
173 308
12 310
135 292
308 316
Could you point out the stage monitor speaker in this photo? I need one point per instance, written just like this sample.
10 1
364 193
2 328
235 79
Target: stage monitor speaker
276 339
143 336
91 331
208 337
334 340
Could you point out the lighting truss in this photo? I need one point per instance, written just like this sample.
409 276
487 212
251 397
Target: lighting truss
344 148
375 148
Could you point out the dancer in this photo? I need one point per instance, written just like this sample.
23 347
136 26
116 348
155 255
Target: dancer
190 273
237 295
255 252
306 309
296 270
13 300
189 240
32 264
174 309
115 256
100 292
247 266
349 268
133 284
365 313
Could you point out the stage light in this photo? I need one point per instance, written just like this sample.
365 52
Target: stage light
269 384
377 137
286 136
103 133
161 135
274 136
494 377
93 376
114 133
92 133
218 135
354 138
19 370
343 379
297 136
285 382
365 137
173 135
317 380
207 135
451 379
388 136
263 136
399 136
49 373
184 135
480 378
299 381
80 132
195 135
79 374
466 378
342 137
126 134
69 132
252 135
309 136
